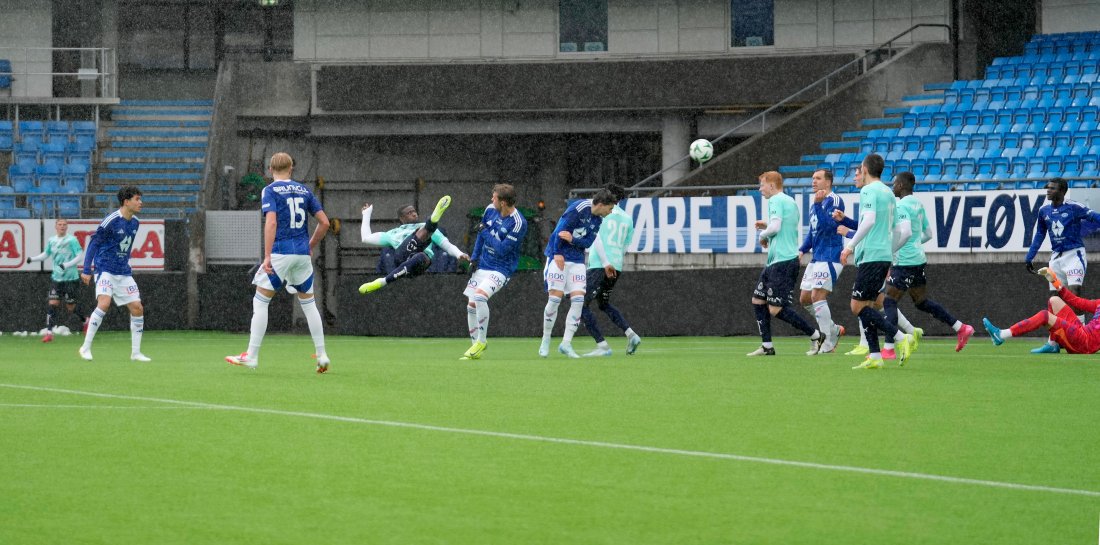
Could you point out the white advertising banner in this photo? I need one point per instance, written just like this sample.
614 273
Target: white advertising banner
962 221
22 238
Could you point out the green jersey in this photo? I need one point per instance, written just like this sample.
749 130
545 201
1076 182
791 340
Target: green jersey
395 236
878 243
63 250
783 245
912 252
616 232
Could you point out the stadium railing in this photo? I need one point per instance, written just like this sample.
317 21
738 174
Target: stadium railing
826 85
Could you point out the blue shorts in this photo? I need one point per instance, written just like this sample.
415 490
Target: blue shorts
906 278
777 282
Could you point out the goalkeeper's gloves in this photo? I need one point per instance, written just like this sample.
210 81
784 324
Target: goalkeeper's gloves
1051 277
1030 267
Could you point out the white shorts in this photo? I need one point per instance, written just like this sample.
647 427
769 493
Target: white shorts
573 278
489 282
820 275
1069 266
122 289
290 270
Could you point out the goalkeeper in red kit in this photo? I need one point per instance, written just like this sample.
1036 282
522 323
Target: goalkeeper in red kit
1060 317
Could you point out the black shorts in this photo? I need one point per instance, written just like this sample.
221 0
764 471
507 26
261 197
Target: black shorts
65 291
599 286
869 280
906 278
777 282
409 247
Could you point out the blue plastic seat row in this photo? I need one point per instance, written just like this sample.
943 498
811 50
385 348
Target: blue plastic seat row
1084 118
1024 92
45 129
1028 70
1046 58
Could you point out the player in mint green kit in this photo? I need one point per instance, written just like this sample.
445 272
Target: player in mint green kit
64 250
908 275
605 266
413 242
873 246
775 291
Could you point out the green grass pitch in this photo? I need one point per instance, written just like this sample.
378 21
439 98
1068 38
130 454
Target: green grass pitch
688 441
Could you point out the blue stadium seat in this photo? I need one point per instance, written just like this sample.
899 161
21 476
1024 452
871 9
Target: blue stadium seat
32 129
58 131
84 128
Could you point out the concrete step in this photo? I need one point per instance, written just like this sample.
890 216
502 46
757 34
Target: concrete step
163 103
178 188
150 176
196 165
162 112
152 154
162 123
158 144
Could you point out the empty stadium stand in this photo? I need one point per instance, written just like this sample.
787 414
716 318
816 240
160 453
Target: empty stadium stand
1033 117
48 167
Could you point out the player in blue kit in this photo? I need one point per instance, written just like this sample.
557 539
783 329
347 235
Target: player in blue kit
286 206
1062 219
496 254
109 252
823 240
605 266
564 271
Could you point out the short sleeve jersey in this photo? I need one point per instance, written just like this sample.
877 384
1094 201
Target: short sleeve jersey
112 242
579 220
293 204
498 244
62 250
783 246
616 232
912 252
878 243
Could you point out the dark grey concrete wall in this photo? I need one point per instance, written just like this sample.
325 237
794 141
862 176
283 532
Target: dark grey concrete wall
660 303
657 303
570 85
828 118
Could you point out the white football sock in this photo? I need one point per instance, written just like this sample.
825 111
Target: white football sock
93 325
471 319
573 318
259 324
630 332
550 316
903 323
316 327
137 327
482 317
824 316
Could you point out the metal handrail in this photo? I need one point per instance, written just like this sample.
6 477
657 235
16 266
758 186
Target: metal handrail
106 66
762 116
705 189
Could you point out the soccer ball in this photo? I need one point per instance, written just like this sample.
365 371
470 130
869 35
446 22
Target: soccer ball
701 150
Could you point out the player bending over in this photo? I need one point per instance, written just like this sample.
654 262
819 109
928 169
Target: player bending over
413 243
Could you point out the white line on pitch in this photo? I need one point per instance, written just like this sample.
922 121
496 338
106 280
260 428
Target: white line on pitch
580 442
141 407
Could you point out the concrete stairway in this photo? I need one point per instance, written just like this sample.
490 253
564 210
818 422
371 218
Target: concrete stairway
159 146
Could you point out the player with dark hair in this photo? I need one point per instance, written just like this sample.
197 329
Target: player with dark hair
1063 219
605 265
109 252
496 254
64 250
288 245
873 246
564 272
413 243
907 274
1060 317
823 240
774 292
